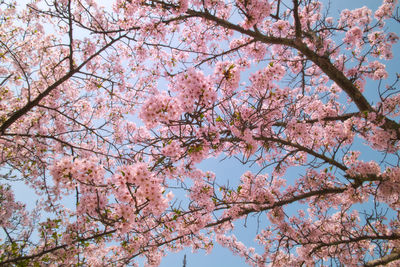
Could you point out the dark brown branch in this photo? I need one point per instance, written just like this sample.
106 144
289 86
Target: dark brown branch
297 23
31 104
356 239
323 63
305 149
281 203
71 40
8 235
342 117
394 255
44 252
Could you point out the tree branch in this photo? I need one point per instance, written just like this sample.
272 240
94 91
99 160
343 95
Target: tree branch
44 252
394 255
31 104
323 63
296 18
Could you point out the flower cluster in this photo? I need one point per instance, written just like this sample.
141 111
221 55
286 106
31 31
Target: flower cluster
256 11
390 187
361 168
160 108
386 9
262 79
256 188
137 185
382 44
281 28
194 89
354 37
360 16
173 150
68 172
83 175
8 206
377 70
227 74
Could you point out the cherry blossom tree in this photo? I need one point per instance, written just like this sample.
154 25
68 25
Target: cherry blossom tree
113 109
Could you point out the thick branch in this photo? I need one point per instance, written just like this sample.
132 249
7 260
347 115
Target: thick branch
340 79
44 252
357 239
31 104
305 149
395 255
71 40
323 63
296 18
335 75
245 211
342 117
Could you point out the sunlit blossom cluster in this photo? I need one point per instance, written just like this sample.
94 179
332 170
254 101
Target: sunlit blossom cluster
160 109
194 89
